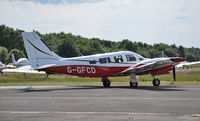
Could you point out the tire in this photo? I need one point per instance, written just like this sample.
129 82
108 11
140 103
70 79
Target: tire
156 82
133 84
106 83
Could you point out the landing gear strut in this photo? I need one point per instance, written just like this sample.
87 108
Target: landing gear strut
156 82
106 82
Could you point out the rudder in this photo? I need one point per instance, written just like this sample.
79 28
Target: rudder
38 53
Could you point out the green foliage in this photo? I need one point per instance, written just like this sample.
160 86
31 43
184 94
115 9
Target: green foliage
128 45
67 49
181 51
190 58
154 53
17 53
69 45
3 54
169 52
11 38
17 79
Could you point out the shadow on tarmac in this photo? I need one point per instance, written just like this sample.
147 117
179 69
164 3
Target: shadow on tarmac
150 88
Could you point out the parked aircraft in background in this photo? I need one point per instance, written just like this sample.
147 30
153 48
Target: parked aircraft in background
106 65
2 66
23 69
20 62
187 64
20 66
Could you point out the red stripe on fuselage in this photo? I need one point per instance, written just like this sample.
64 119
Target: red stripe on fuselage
85 71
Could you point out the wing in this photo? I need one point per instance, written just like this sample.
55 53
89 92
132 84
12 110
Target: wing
187 64
155 66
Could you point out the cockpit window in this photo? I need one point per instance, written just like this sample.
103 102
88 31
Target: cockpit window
118 59
130 58
105 60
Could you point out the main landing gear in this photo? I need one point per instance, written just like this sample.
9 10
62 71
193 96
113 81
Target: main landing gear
106 82
134 83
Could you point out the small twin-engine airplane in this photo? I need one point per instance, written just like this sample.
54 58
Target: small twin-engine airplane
123 63
2 66
20 66
20 62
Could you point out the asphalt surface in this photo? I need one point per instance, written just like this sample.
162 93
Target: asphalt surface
165 103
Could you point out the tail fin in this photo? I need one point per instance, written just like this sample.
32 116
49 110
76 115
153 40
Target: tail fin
13 59
38 53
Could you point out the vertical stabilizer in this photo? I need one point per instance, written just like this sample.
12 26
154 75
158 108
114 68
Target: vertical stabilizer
38 53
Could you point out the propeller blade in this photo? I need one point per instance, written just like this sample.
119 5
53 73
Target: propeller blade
174 72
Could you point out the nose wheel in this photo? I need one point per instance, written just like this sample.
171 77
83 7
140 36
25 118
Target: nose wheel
133 81
106 82
133 84
156 82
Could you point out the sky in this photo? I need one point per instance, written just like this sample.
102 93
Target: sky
150 21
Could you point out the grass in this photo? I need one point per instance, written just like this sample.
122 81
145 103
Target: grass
196 65
18 79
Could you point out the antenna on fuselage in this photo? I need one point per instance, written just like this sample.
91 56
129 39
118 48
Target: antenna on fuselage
163 55
103 49
80 52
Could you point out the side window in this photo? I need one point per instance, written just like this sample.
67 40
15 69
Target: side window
92 62
105 60
118 59
108 60
130 58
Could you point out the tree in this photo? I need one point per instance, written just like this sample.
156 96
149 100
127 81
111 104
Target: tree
128 45
10 38
181 51
3 54
154 53
170 52
190 58
17 53
67 49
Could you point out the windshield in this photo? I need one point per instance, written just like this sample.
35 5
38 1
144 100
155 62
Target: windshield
130 57
140 57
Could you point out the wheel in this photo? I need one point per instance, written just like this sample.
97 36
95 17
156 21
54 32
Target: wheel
133 84
156 82
106 83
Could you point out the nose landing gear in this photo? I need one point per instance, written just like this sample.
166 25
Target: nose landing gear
133 82
156 82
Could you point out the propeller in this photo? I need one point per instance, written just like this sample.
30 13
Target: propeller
174 73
